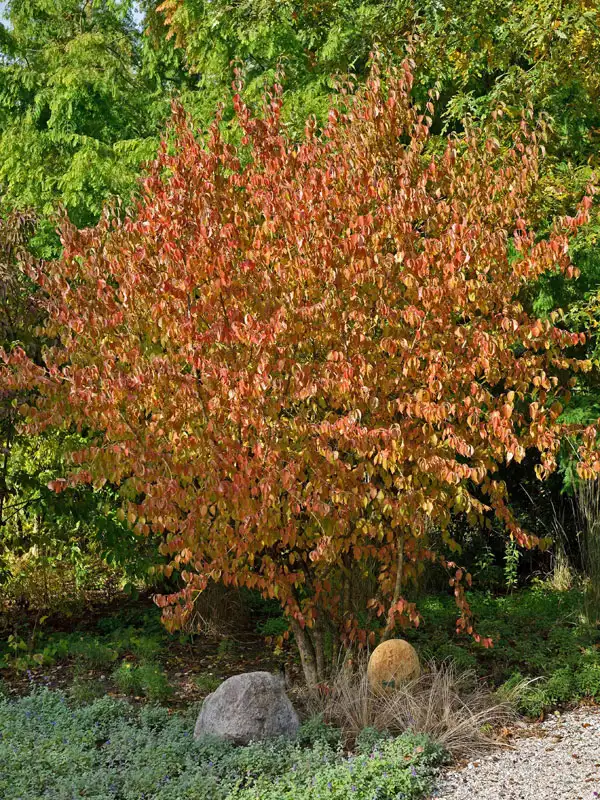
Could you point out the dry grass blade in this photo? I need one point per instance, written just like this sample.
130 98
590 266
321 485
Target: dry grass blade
452 707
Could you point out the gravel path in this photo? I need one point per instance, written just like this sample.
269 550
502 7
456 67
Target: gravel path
558 759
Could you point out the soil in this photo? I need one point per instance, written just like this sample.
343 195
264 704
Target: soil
214 656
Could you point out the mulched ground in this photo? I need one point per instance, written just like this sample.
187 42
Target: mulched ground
246 651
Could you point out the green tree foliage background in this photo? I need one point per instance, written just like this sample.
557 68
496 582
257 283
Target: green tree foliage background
83 100
84 96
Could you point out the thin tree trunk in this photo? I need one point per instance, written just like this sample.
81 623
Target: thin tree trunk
4 471
389 628
319 648
307 653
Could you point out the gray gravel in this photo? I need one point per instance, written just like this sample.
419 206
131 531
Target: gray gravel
558 759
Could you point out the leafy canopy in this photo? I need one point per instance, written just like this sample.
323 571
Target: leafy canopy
299 358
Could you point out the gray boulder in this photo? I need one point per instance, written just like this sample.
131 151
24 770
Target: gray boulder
248 707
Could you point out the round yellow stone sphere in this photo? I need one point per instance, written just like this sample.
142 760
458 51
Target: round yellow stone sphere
393 663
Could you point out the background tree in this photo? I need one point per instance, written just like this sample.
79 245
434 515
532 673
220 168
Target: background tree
47 542
297 359
83 98
19 315
477 53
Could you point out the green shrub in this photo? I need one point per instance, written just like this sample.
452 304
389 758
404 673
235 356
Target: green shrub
207 683
538 633
132 619
226 649
587 680
273 626
93 652
125 678
153 682
145 648
462 657
146 679
529 697
106 750
316 731
369 739
561 687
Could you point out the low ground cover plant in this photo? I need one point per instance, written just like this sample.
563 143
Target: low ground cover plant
107 750
97 646
207 683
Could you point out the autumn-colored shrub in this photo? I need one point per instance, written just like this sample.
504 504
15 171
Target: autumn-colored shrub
302 358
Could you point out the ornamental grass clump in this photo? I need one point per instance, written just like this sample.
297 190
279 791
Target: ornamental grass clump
453 707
